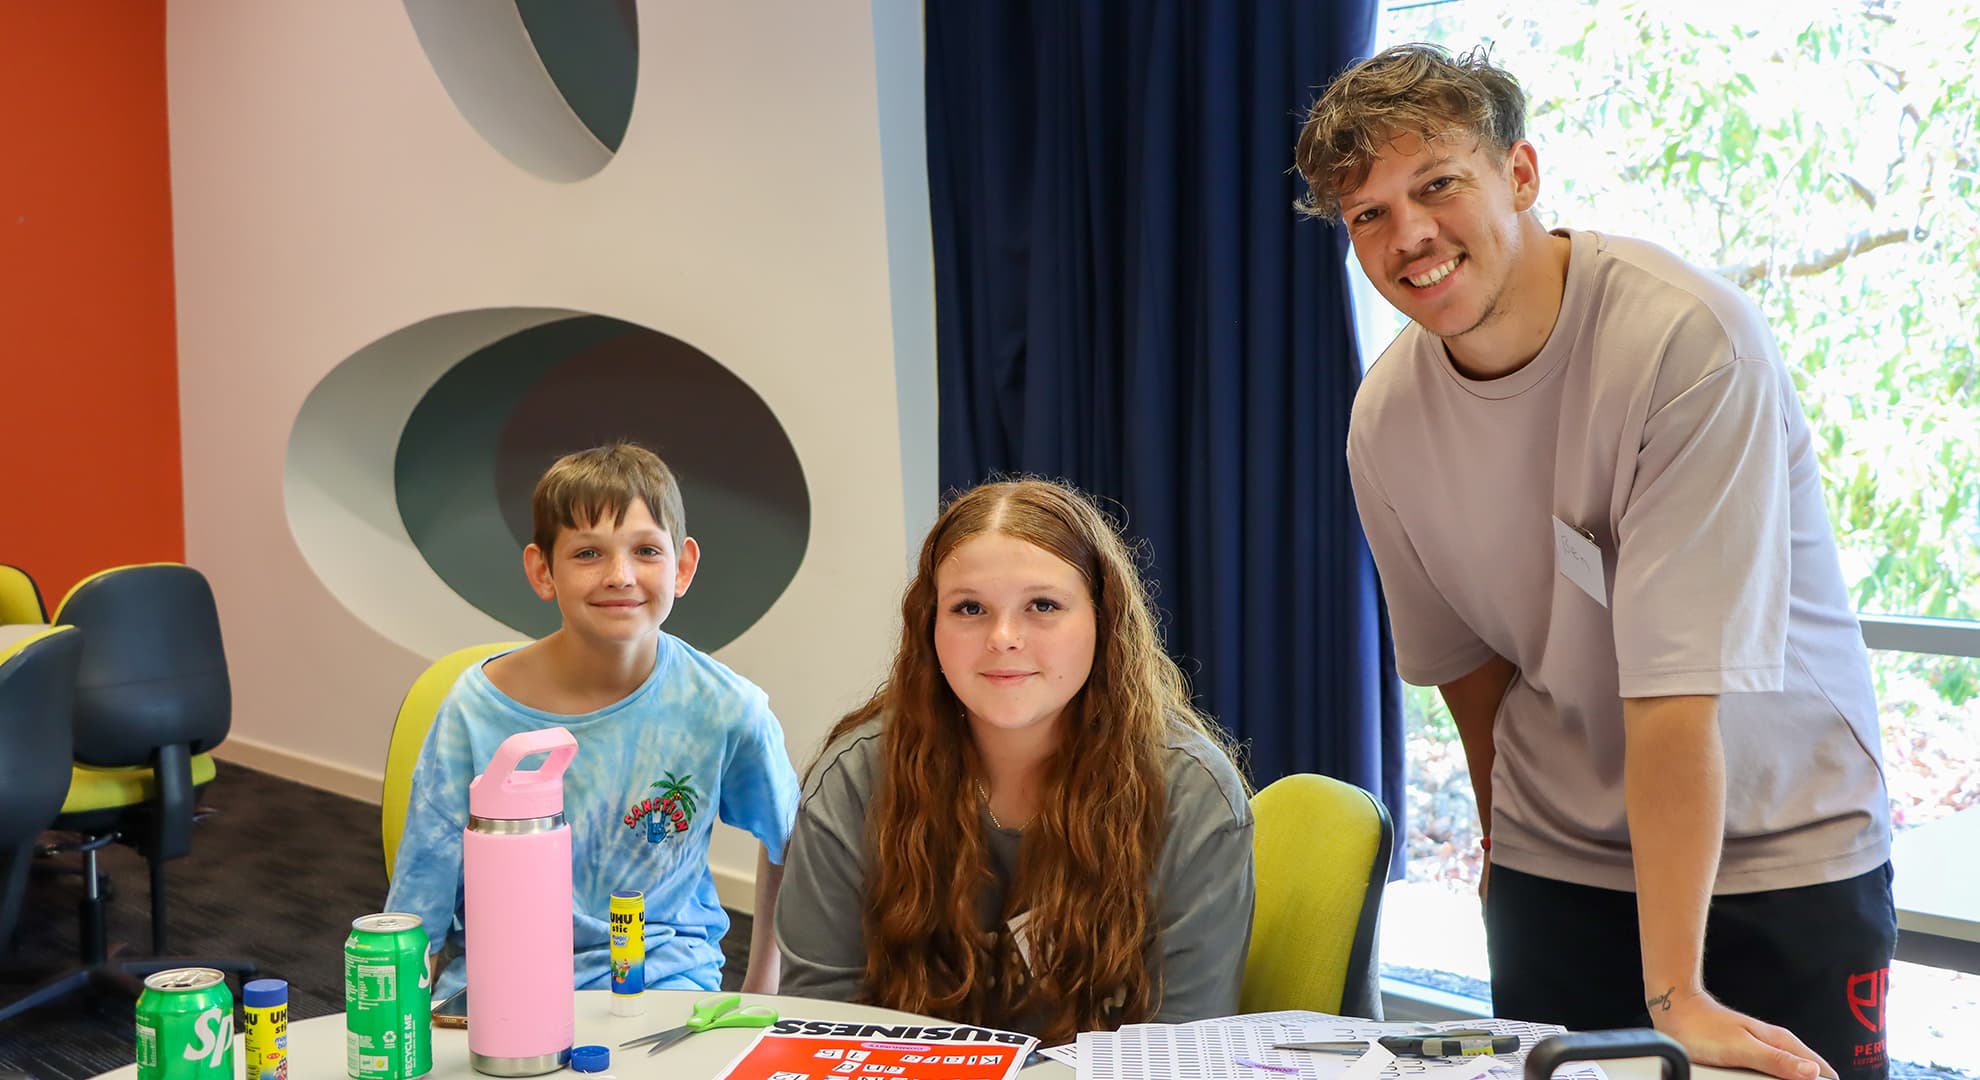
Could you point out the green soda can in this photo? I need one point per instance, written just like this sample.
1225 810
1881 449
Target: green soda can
388 999
185 1026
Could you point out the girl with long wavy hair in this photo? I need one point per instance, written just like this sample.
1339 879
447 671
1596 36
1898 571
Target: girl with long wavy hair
1029 825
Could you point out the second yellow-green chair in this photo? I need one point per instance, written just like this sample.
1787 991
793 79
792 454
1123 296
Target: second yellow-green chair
415 718
1321 850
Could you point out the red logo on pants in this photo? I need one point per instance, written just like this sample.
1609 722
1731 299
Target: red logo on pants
1866 997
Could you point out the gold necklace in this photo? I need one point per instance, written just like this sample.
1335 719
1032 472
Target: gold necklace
985 796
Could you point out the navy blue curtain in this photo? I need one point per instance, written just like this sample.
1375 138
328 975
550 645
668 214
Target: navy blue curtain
1125 299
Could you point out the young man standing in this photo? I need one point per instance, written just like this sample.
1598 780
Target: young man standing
1594 505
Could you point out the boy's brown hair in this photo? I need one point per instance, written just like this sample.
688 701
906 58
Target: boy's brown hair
585 488
1414 89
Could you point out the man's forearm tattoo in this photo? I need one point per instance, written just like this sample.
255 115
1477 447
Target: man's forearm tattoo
1662 1000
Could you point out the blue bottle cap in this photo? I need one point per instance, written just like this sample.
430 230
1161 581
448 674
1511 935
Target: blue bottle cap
263 993
590 1059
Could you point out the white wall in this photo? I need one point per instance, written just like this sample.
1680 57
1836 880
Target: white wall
327 192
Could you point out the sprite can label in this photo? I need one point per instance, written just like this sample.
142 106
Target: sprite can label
388 999
185 1026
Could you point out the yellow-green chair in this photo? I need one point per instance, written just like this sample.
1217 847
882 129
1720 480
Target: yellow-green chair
20 599
409 734
1320 848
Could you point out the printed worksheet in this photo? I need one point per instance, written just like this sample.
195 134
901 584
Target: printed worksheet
829 1050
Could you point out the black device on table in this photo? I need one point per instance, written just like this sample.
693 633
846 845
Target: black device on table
452 1013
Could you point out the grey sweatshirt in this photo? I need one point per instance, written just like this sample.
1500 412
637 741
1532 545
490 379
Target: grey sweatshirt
1203 884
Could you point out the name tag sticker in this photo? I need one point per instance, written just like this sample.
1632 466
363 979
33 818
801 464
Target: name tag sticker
1580 561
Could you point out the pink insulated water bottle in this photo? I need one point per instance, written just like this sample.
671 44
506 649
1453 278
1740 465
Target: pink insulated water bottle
516 859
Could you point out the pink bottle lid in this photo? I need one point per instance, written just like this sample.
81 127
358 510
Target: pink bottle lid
506 793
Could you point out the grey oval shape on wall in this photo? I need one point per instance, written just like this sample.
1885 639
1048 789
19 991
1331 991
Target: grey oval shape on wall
475 444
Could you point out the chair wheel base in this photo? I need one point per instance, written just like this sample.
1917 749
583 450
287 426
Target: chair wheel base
122 979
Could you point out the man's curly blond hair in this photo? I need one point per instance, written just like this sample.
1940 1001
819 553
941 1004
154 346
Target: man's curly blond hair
1414 89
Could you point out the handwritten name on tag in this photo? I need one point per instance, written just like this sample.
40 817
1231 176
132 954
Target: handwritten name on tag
1580 561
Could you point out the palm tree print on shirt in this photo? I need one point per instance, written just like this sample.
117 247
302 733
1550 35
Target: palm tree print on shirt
675 809
669 812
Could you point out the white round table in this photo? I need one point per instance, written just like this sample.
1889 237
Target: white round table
316 1046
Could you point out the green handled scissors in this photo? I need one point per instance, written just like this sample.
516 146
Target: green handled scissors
714 1011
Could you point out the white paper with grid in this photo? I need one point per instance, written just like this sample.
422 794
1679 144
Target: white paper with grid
1213 1049
1214 1052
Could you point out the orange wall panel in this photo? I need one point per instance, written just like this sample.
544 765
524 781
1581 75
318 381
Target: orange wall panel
89 390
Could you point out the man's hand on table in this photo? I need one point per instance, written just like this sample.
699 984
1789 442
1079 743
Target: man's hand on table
1716 1035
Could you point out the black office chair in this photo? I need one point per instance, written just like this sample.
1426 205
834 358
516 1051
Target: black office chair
37 690
151 698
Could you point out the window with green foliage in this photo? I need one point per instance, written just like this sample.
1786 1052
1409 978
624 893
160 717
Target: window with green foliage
1826 159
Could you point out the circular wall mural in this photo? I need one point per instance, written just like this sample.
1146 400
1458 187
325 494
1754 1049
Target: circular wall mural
467 439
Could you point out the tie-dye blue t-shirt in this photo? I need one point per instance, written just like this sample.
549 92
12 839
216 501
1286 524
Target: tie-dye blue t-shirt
652 773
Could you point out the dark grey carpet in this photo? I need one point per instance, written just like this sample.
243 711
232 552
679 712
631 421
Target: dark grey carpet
275 877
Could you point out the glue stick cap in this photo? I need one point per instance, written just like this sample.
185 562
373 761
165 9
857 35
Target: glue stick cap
589 1059
265 993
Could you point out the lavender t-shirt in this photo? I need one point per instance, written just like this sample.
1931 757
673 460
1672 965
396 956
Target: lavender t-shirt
1660 422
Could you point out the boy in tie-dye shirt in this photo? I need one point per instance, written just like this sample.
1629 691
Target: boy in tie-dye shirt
669 738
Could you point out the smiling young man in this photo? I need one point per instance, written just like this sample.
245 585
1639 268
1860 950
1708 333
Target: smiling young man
1594 505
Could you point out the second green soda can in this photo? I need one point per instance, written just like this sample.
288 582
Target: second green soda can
388 999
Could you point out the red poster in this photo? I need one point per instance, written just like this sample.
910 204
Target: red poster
825 1050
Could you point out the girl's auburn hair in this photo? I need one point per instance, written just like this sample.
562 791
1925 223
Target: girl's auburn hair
1088 861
